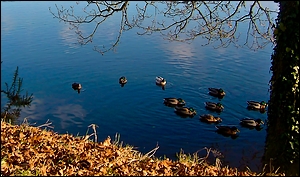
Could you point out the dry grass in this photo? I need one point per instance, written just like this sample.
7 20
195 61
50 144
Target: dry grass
28 150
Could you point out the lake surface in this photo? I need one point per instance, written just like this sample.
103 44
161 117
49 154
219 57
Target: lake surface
50 60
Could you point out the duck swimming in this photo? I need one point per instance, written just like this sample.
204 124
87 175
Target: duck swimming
122 81
160 81
217 92
257 105
188 111
249 122
214 106
227 130
174 101
76 86
210 118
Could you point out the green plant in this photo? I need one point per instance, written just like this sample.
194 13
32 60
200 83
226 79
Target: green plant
15 100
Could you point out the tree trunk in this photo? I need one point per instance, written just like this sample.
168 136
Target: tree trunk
282 141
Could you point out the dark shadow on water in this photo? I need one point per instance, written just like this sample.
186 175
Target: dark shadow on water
78 90
250 157
163 87
184 115
226 135
219 97
171 105
258 110
258 128
211 123
122 85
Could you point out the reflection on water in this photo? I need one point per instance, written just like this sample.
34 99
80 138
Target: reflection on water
177 50
69 113
65 114
7 24
50 62
69 38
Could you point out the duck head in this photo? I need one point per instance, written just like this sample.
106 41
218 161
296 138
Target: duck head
263 103
259 122
235 129
263 106
220 105
192 111
76 86
180 101
218 119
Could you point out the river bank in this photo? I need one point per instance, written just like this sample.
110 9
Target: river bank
38 151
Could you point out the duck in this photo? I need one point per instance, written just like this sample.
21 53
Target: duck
122 80
160 81
76 86
174 101
217 92
227 130
214 106
210 118
249 122
257 105
188 111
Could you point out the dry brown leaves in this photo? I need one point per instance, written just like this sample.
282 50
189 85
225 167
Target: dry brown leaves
45 153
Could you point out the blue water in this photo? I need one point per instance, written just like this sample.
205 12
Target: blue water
50 60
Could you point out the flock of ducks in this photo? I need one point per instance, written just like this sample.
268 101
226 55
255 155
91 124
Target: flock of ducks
180 108
218 107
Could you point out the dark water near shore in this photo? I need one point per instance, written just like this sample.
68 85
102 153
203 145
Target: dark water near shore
50 60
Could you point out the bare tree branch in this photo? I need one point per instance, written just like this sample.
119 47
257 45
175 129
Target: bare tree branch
214 21
99 14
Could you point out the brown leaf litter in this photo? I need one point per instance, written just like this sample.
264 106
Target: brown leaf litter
27 150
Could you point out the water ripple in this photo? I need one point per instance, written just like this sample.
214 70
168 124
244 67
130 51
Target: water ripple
50 60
